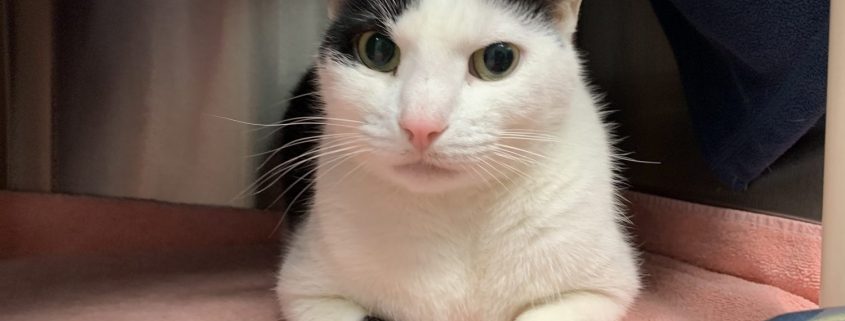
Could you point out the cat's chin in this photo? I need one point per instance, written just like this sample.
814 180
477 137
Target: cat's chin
425 170
421 177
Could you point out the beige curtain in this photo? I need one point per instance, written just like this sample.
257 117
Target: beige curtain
139 84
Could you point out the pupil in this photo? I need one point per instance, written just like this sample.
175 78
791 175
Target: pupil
380 49
498 58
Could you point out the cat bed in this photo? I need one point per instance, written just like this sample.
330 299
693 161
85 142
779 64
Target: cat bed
82 258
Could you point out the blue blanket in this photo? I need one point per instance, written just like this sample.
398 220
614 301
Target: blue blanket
754 74
816 315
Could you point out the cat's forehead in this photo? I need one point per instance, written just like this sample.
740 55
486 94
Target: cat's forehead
391 10
416 20
449 21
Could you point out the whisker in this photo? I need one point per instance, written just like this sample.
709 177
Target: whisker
305 141
297 97
628 159
484 168
527 134
488 160
525 159
312 171
521 150
304 122
292 98
299 141
277 103
528 138
339 142
311 184
535 134
511 168
298 160
480 176
240 121
280 173
299 121
289 165
323 118
283 124
528 131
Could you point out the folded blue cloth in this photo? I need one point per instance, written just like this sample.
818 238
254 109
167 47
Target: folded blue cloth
815 315
754 74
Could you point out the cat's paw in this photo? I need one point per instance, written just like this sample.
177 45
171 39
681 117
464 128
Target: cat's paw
558 315
316 309
563 316
579 306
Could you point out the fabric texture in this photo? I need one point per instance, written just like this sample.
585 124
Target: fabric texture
754 74
172 262
235 283
677 291
782 252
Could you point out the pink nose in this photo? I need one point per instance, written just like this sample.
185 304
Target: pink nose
422 133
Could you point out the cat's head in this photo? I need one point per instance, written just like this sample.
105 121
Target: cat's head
436 95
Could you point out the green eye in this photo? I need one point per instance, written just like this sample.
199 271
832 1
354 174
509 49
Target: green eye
377 51
495 62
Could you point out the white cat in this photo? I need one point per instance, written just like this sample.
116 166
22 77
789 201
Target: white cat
463 172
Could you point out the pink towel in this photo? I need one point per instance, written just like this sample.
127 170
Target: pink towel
234 284
57 261
762 248
677 291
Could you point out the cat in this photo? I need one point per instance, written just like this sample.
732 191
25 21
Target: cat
446 160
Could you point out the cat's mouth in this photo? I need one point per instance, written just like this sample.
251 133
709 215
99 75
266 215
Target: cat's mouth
422 168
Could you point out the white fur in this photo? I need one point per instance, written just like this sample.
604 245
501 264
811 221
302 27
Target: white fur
502 239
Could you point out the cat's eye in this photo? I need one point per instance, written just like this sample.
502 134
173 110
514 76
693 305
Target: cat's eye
377 51
494 62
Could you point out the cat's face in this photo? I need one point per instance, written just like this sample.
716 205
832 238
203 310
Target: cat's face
445 94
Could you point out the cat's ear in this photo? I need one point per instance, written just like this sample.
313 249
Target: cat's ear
334 7
566 15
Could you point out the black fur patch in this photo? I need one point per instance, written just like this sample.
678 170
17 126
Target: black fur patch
355 17
285 194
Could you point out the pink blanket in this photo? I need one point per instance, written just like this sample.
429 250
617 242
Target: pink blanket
163 272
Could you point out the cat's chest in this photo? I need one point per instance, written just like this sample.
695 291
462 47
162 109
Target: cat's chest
463 260
449 281
456 271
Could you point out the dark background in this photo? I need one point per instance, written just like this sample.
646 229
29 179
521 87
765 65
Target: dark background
630 60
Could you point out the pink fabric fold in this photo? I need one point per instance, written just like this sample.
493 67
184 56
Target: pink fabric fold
676 291
761 248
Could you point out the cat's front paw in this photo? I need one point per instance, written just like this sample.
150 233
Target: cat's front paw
578 306
332 309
